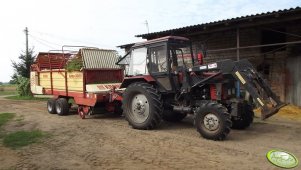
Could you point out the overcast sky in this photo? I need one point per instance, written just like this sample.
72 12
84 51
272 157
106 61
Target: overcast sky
107 24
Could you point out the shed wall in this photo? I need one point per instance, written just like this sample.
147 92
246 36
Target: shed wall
281 67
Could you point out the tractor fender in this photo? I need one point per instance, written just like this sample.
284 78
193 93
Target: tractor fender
129 80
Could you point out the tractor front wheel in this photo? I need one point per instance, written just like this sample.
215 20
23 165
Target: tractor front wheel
142 106
245 119
212 120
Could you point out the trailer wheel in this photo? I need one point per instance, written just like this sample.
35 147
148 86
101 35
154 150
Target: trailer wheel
246 118
142 106
170 116
51 106
61 106
212 121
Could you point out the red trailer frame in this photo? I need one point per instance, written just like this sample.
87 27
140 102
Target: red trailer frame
106 92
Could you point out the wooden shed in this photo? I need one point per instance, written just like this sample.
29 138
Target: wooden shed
271 41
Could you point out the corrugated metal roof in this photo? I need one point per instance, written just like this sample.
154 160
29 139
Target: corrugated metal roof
99 58
237 19
126 45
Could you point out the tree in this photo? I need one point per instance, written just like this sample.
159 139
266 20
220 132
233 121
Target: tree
22 68
22 72
14 79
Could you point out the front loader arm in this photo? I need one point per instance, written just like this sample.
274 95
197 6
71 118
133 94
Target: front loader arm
251 80
257 87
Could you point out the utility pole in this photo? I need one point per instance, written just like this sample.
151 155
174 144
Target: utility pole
146 24
26 35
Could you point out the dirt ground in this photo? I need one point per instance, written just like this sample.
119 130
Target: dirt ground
107 142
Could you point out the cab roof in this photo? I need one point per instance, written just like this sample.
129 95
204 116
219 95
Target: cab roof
162 39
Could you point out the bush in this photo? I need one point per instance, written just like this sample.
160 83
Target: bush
23 86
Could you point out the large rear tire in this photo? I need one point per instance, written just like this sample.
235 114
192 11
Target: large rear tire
142 106
212 121
51 106
62 106
246 118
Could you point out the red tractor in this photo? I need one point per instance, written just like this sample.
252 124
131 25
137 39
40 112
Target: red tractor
164 80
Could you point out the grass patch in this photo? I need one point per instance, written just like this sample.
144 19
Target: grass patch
27 98
20 139
9 85
5 117
4 93
8 90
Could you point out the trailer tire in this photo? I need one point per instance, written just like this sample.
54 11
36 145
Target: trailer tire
51 106
212 120
142 106
62 106
245 120
170 116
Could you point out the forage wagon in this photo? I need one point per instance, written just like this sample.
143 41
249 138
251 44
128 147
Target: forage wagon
89 76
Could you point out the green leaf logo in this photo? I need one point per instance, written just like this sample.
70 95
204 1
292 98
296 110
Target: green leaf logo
282 159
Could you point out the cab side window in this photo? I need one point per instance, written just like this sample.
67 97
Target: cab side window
158 61
138 62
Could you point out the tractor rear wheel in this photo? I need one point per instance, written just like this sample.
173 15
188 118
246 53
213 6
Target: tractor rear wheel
51 106
212 120
62 106
170 116
246 118
142 106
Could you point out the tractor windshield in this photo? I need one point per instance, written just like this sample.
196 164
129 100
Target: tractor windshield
181 55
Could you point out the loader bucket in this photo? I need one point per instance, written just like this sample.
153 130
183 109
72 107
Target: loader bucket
258 88
267 111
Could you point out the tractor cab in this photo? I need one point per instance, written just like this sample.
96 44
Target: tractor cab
160 61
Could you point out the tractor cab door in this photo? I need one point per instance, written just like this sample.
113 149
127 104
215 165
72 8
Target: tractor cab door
159 67
176 64
180 61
